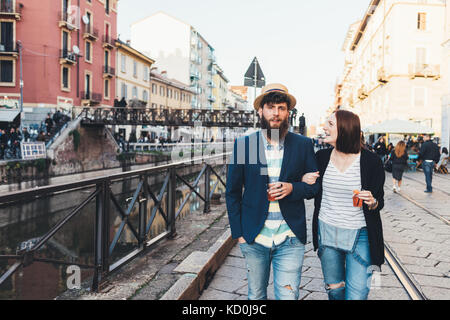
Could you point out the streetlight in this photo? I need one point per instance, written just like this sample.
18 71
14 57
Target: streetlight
19 45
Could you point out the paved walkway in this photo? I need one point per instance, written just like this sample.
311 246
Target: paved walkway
420 240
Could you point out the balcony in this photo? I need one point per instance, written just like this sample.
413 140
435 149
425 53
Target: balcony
67 20
381 76
108 72
362 93
90 98
9 49
195 75
108 42
424 70
90 32
211 84
10 8
212 98
212 57
67 57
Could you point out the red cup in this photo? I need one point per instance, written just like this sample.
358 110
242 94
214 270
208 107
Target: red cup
357 202
270 197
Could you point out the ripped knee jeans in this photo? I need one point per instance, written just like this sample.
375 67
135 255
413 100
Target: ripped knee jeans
286 260
347 274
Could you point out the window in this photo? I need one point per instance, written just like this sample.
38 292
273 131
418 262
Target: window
145 73
422 21
106 59
123 63
6 71
107 6
154 89
154 105
135 69
124 90
65 77
106 89
145 96
161 91
65 41
134 93
88 51
7 36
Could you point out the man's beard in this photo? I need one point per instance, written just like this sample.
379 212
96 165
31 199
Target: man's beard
282 130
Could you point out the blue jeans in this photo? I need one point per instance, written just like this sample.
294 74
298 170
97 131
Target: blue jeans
428 170
287 261
350 267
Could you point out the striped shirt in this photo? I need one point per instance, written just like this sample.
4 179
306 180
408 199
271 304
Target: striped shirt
275 229
337 207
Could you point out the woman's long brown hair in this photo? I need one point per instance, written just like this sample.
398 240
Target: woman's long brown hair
400 149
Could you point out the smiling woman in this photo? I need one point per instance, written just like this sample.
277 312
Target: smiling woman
347 227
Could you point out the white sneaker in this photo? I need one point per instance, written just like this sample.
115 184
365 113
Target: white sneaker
394 189
398 189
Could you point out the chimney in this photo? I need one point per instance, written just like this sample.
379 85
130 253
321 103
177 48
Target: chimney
164 73
128 42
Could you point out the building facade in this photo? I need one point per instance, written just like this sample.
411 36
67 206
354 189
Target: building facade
393 63
237 98
67 52
169 93
180 50
133 74
219 93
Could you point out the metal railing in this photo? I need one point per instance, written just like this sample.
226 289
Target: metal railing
106 202
108 40
169 117
68 55
91 96
110 71
8 7
213 147
90 31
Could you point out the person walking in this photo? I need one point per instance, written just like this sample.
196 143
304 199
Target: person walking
399 158
442 164
429 154
380 148
268 216
347 229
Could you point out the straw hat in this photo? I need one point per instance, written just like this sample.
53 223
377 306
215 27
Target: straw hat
274 87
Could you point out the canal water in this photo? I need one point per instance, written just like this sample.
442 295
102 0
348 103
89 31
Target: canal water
22 225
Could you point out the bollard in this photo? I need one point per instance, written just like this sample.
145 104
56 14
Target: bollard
207 208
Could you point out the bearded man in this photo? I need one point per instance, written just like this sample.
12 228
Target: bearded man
268 216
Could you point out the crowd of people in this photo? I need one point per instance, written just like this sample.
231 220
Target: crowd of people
11 137
421 152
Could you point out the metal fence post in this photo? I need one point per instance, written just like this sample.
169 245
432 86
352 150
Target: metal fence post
171 193
99 245
207 189
143 212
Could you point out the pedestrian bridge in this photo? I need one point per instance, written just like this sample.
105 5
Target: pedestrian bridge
169 117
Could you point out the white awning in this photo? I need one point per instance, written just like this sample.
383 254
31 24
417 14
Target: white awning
397 126
8 115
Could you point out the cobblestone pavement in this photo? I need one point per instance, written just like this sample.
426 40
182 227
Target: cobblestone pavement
420 241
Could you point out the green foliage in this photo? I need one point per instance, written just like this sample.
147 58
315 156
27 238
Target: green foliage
39 164
126 156
76 138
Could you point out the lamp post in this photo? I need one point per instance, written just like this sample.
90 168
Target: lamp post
19 45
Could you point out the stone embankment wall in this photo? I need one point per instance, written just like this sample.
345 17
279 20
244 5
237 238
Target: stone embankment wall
96 150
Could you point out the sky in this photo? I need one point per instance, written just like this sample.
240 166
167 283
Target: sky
297 42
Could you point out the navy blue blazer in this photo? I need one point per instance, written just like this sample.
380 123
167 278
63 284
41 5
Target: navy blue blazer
248 210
